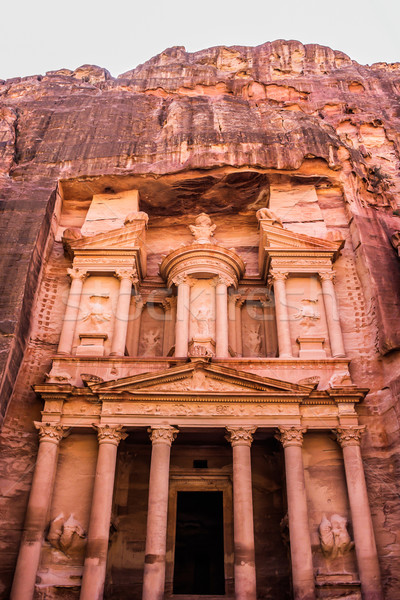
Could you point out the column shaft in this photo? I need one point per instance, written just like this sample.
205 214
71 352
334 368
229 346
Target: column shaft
37 512
136 326
232 322
71 312
300 540
182 319
239 341
282 316
243 524
332 315
221 320
156 536
94 571
122 315
367 557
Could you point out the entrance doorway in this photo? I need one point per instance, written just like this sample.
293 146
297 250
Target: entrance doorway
199 544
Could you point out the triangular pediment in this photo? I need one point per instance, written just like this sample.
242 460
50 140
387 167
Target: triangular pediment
279 238
200 378
124 238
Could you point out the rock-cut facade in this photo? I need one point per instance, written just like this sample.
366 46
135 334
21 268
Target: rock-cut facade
200 339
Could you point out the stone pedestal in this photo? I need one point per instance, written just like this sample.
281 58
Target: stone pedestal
37 512
156 535
245 570
300 541
311 347
94 571
91 344
367 558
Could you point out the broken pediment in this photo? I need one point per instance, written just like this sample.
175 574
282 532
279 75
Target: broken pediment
276 237
202 378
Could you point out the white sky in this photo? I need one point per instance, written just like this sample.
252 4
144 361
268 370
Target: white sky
41 35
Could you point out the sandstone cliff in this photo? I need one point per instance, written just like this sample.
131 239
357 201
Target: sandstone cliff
183 128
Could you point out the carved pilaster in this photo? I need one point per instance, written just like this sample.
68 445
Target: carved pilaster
163 435
240 435
291 436
51 432
349 436
110 434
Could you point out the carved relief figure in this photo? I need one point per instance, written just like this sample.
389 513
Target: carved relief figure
334 538
253 339
202 322
150 341
308 313
96 315
203 229
267 213
63 533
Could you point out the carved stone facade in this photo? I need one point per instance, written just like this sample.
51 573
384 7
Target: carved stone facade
201 361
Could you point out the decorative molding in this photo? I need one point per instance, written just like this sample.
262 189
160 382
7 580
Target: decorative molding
51 432
291 436
240 436
163 435
349 436
110 434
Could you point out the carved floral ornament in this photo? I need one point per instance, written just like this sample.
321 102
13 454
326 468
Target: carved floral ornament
110 434
349 436
76 273
51 432
291 436
163 435
327 276
240 436
277 276
124 273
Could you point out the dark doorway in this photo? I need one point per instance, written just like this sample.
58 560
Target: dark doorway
199 544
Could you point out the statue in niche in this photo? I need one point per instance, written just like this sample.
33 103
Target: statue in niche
202 320
97 315
150 340
267 213
334 538
253 339
203 229
308 313
64 533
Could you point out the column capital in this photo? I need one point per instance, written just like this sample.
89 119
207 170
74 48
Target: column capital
51 432
181 278
291 436
349 436
165 434
77 273
239 300
169 303
110 434
240 436
124 273
224 280
277 276
327 276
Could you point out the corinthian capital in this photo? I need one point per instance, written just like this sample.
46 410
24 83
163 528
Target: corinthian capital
110 434
76 273
327 276
240 436
163 435
349 436
291 436
181 278
127 274
277 276
51 432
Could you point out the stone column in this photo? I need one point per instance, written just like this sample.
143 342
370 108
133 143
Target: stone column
94 570
71 311
232 321
271 343
239 341
136 328
243 525
367 558
282 316
169 305
156 536
182 316
300 540
332 314
37 512
221 318
126 277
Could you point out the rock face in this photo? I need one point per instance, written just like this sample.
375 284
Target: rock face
302 129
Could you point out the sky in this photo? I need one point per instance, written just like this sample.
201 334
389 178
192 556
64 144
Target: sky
42 35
